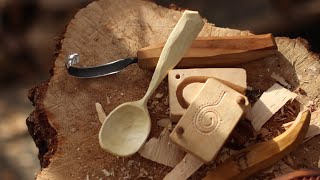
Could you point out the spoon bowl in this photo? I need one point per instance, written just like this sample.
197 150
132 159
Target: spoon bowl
126 129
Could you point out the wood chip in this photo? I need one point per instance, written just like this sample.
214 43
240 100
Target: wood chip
314 128
281 80
185 168
288 159
101 114
249 88
162 150
158 95
268 104
319 162
107 173
282 168
165 122
264 132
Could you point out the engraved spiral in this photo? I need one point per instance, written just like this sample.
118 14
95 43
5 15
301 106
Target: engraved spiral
206 120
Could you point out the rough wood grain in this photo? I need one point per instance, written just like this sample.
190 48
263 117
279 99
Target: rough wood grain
65 124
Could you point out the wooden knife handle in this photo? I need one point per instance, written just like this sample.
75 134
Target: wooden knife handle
215 51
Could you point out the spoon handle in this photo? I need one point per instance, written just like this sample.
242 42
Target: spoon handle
180 39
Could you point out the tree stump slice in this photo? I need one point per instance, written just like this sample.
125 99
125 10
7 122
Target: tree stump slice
65 124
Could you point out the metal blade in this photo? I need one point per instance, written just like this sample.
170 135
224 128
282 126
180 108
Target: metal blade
96 71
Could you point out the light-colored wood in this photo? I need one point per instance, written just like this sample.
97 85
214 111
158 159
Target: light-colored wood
268 104
232 77
215 51
127 127
209 120
190 92
314 127
263 155
101 114
106 30
185 168
280 80
162 150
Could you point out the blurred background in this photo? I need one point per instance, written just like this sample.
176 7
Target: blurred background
29 30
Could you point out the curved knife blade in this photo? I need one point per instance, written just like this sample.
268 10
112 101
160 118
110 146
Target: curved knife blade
96 71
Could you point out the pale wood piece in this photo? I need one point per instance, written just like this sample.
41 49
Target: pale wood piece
280 79
314 127
233 77
106 30
263 155
101 114
162 150
185 168
215 51
127 127
268 104
190 92
209 120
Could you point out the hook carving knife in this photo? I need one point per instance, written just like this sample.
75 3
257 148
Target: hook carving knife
204 52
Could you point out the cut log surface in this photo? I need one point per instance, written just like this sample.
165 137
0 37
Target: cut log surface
65 124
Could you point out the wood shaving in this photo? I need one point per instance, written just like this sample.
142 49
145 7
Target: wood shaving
165 122
249 88
158 95
288 159
162 150
143 171
280 80
130 163
264 132
101 114
108 100
314 127
166 102
268 104
312 106
107 173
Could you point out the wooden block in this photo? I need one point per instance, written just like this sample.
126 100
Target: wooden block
193 79
209 120
268 104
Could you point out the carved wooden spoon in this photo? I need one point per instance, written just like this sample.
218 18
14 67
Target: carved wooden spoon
127 127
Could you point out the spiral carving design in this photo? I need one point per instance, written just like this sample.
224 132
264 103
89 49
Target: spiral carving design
206 120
